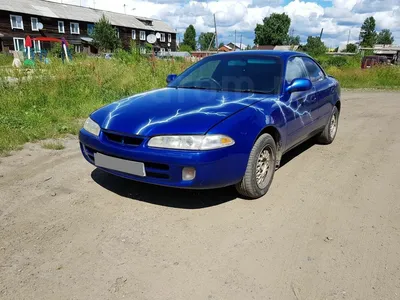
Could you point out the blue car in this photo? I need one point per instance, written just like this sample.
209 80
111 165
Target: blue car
226 120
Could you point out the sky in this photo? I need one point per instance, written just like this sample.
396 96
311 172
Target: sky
338 18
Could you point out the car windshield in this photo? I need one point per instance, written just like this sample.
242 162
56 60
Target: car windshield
239 73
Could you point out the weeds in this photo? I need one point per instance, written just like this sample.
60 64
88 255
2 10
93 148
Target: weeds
53 146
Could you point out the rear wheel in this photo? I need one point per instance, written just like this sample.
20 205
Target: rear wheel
328 135
260 168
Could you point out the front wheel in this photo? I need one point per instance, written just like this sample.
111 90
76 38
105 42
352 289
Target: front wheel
260 168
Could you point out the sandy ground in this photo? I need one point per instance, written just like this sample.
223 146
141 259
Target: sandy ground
329 227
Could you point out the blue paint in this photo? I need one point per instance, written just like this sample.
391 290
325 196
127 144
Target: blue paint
296 109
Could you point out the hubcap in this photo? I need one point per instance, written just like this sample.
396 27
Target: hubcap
333 126
263 166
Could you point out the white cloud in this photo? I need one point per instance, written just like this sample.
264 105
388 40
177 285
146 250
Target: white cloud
337 17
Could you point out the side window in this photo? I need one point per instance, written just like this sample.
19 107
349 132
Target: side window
295 69
314 71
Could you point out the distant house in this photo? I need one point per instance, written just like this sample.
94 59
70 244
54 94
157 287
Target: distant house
237 46
20 18
225 48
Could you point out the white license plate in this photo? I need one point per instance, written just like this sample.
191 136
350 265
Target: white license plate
118 164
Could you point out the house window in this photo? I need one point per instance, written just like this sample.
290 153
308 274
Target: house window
169 38
133 34
34 24
117 31
162 50
90 28
77 48
142 35
16 22
19 44
142 50
162 37
74 28
36 46
61 28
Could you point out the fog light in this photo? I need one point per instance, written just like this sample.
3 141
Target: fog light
188 173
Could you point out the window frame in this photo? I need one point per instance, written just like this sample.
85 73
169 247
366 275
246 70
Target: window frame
70 28
22 22
162 37
144 35
169 38
14 42
37 23
63 26
133 34
318 66
117 31
38 49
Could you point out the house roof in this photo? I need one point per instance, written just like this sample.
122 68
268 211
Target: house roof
238 45
80 13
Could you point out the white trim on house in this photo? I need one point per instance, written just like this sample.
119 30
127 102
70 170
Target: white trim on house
133 34
162 38
34 25
17 45
62 28
21 22
169 38
37 48
142 35
74 25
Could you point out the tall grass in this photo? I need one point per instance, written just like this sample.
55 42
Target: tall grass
51 100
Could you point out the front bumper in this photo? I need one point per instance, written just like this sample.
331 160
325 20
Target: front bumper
214 168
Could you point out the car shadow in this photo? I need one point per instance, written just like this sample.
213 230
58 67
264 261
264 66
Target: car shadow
295 152
163 196
179 198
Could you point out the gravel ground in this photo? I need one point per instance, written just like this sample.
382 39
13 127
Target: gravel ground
329 228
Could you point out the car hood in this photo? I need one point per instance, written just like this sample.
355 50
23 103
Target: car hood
172 111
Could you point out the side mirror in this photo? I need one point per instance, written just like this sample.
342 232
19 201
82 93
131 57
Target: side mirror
299 85
171 77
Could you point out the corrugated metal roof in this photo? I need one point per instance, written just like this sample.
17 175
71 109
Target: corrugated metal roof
80 13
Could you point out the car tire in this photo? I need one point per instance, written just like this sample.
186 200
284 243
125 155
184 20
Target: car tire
260 168
329 133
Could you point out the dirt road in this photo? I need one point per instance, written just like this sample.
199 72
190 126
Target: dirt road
328 229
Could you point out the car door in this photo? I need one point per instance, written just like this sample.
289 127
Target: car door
299 105
323 93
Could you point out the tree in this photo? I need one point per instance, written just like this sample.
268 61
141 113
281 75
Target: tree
315 46
351 48
385 37
185 48
368 34
294 40
189 38
105 36
248 47
273 31
205 39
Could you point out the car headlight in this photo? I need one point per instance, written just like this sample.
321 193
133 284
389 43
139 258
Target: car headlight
191 142
92 127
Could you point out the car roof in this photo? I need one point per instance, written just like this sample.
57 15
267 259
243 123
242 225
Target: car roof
282 54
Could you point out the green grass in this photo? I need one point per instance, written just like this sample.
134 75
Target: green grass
53 146
57 97
387 77
53 100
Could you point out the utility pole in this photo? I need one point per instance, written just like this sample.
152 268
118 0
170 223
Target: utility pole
348 39
322 31
241 43
234 48
216 34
